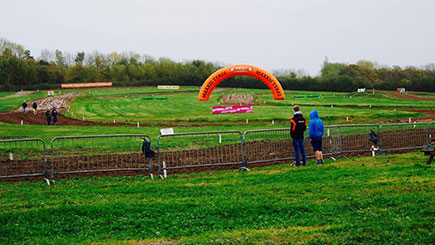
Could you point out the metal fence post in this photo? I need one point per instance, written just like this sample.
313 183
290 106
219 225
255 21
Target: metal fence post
242 140
340 140
380 138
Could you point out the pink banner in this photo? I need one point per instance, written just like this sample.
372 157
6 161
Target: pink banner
231 109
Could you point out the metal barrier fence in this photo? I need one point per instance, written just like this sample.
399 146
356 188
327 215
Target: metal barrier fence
431 136
22 158
275 145
267 145
404 136
104 153
355 137
201 149
98 153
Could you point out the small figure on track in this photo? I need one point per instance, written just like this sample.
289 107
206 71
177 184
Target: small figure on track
24 105
54 115
35 107
48 117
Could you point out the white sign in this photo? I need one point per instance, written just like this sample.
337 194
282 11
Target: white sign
361 90
166 131
168 87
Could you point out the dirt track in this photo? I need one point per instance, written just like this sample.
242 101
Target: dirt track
18 94
406 96
15 117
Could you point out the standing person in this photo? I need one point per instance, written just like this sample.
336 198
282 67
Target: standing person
298 125
54 114
24 105
315 133
48 117
35 107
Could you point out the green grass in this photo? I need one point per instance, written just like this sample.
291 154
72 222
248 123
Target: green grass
2 94
351 100
384 200
47 133
424 94
13 103
128 91
186 108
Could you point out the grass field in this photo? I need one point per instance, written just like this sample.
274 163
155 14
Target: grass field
186 108
384 200
8 131
13 103
127 105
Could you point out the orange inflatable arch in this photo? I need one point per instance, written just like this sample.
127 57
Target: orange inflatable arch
241 70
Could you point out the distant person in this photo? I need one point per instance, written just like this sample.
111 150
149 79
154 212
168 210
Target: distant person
298 125
48 117
315 133
54 115
24 105
35 108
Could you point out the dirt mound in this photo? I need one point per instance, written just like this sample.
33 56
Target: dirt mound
18 94
238 99
59 102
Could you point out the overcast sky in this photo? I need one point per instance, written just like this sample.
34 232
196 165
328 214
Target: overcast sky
273 34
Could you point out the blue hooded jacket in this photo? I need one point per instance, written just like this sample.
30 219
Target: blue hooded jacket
315 129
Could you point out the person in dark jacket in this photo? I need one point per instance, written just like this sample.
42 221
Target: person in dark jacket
35 108
315 133
298 125
54 115
48 117
24 105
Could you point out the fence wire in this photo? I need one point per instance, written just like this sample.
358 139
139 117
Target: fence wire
22 158
98 153
431 136
82 154
356 137
275 145
267 145
404 136
199 149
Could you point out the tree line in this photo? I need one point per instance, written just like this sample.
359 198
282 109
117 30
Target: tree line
20 70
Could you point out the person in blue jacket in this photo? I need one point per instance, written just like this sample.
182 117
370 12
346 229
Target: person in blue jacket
315 133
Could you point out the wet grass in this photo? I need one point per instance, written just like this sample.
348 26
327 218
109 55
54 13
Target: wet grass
185 108
387 199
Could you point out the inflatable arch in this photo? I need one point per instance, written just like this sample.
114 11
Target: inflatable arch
241 70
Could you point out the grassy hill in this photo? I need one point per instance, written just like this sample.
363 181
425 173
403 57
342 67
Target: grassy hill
388 199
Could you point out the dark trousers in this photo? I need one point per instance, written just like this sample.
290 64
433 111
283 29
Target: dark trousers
298 146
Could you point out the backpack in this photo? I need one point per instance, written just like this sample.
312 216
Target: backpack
146 149
373 137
